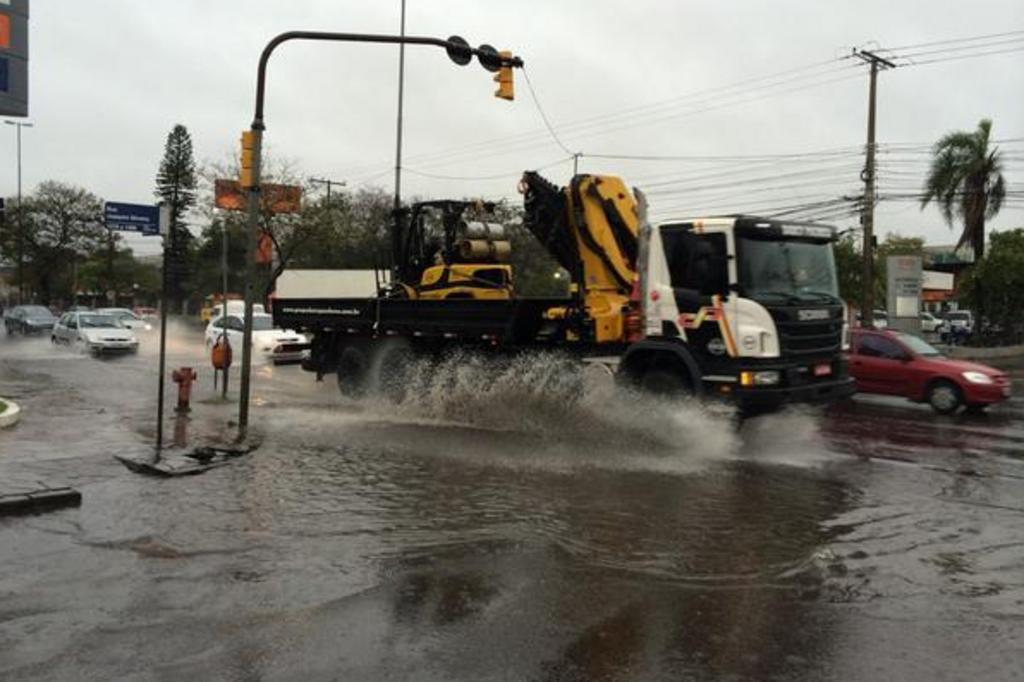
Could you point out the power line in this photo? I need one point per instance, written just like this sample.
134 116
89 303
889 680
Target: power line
543 116
953 40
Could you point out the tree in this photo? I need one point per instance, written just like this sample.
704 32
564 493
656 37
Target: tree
996 285
850 264
966 181
176 186
849 269
62 224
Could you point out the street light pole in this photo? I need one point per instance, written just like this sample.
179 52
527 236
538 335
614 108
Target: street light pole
21 217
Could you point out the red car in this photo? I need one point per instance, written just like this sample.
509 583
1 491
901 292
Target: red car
893 363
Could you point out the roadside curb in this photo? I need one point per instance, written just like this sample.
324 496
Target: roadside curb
39 500
11 415
996 353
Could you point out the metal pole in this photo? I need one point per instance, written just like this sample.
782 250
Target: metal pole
224 296
21 230
252 223
21 216
163 352
398 135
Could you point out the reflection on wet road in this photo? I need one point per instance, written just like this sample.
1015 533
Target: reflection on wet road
494 530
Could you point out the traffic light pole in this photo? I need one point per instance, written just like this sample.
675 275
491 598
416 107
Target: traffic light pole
458 50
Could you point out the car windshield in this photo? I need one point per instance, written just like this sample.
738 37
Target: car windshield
99 322
261 323
918 346
37 311
795 270
120 314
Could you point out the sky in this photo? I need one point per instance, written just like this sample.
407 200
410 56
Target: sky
758 106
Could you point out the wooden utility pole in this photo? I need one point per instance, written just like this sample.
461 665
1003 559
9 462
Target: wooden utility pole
867 307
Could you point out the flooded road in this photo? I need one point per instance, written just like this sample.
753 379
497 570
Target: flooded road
495 528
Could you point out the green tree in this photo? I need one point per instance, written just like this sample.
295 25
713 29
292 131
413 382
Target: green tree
966 181
849 269
996 285
176 186
62 224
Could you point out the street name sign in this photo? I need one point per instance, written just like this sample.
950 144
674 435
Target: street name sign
132 218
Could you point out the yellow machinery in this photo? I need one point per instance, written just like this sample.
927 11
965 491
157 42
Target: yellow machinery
590 227
438 254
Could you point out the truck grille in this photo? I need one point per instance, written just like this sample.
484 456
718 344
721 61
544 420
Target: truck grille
809 337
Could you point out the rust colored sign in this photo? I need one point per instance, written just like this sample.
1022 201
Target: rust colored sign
228 194
5 30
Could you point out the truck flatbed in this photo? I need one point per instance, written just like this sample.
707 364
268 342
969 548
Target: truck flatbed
516 322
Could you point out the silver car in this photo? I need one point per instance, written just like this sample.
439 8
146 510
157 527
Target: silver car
95 333
129 319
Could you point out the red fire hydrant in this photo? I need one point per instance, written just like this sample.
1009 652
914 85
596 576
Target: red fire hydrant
184 378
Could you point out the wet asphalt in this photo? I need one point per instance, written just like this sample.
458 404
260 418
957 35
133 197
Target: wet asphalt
492 526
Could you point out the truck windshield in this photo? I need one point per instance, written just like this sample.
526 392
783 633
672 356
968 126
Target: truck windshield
797 271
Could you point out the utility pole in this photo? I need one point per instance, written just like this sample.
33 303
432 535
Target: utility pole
328 182
576 163
867 307
21 218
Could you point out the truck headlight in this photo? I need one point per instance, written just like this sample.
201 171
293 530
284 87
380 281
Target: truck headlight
977 377
762 378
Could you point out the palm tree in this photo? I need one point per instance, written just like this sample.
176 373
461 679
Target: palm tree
966 180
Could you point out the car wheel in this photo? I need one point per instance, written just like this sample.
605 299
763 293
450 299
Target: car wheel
944 397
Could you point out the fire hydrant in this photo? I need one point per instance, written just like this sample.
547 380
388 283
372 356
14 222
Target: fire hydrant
184 378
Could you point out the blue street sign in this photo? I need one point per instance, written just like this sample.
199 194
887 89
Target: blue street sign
133 218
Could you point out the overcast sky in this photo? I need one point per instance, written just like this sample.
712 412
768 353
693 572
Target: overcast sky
657 78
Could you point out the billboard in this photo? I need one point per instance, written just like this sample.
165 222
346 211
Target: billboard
14 58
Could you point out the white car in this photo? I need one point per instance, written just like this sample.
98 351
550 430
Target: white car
129 319
930 324
276 345
95 333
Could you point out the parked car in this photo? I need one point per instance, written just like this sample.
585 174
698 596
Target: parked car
148 314
930 324
894 363
95 333
880 319
28 319
129 319
960 320
277 345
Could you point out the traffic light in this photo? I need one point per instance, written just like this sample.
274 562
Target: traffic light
245 176
503 78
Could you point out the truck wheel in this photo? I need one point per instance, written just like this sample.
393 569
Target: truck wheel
665 382
352 370
393 367
944 397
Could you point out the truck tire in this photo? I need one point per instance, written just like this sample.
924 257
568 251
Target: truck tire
353 366
944 397
666 382
393 365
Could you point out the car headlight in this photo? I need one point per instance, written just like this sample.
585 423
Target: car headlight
977 377
148 327
763 378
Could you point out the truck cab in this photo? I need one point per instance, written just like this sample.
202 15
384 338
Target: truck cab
748 306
